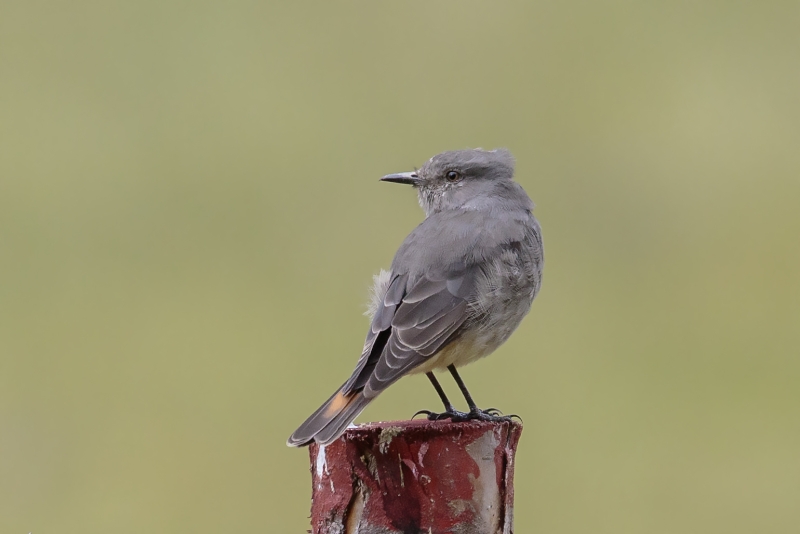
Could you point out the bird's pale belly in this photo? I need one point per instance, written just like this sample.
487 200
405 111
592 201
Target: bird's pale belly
459 352
467 348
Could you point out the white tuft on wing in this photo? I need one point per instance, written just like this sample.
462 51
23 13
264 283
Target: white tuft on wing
379 286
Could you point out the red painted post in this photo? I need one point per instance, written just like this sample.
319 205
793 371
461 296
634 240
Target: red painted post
416 477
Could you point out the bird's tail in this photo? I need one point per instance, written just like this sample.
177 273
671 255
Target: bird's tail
330 420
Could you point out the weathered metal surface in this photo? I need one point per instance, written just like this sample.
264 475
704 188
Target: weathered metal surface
416 477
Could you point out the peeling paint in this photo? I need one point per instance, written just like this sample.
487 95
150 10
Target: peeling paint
411 466
423 450
322 466
372 465
485 496
459 506
355 509
386 437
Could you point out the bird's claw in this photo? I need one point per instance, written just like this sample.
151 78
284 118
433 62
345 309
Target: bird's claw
490 415
496 412
453 415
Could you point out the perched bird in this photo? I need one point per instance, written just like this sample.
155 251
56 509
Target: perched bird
459 285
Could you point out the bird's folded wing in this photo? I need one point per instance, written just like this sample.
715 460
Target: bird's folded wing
412 323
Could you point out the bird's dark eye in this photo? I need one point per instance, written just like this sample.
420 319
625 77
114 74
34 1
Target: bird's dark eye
452 176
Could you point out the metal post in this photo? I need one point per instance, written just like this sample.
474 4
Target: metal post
414 477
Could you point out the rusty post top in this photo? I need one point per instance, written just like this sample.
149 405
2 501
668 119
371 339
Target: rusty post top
423 430
416 476
423 425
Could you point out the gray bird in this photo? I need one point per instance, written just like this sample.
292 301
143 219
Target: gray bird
459 285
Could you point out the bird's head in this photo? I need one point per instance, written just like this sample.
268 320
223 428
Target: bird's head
465 179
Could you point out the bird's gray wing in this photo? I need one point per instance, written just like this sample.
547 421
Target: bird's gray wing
415 319
379 332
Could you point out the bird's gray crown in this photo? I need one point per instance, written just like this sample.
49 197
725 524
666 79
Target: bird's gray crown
472 179
475 163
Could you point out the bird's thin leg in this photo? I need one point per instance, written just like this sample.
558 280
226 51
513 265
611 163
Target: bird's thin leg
449 411
492 414
464 391
448 406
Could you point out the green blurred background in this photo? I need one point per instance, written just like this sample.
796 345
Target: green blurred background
190 216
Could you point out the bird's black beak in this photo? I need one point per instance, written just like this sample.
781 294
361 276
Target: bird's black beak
410 178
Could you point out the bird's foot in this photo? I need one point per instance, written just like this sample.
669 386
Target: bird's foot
490 414
453 415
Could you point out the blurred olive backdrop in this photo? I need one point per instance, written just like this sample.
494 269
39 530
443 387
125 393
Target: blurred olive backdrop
190 217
